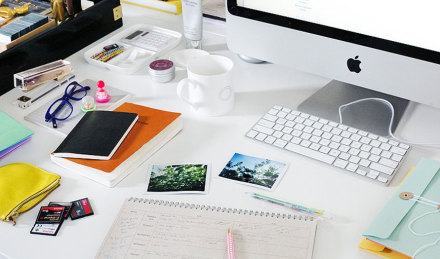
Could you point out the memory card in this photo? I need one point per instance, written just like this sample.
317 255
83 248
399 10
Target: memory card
67 207
50 215
81 208
46 229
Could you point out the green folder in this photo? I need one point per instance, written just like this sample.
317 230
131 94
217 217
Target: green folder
390 227
11 131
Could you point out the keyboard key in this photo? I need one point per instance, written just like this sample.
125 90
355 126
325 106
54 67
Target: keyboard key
381 168
310 153
355 137
352 130
315 146
340 163
385 146
286 137
334 145
252 133
344 156
308 122
317 132
299 127
270 117
396 158
374 158
375 143
317 125
352 167
266 123
287 110
264 130
382 179
362 133
326 128
324 142
304 115
387 154
327 135
305 143
273 112
344 148
270 139
261 136
361 172
278 134
296 133
376 151
290 124
287 130
334 152
388 162
314 118
393 143
364 162
306 136
281 121
296 140
280 143
277 107
364 154
278 127
404 146
354 151
324 149
315 139
354 159
373 174
308 129
398 150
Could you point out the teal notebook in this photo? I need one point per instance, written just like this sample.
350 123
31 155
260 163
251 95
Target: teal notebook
390 227
12 132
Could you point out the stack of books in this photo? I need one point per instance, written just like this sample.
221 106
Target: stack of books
12 134
106 146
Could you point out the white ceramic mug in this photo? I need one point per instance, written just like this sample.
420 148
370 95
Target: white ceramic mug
208 87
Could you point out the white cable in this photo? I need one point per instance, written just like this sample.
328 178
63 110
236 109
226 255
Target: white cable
423 234
390 132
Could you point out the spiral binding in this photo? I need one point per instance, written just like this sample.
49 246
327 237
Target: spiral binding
220 209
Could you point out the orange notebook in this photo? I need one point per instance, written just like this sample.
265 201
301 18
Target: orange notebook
152 130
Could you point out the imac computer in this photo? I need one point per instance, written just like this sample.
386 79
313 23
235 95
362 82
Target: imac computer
386 49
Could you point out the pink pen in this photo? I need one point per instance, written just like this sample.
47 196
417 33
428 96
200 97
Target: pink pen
230 245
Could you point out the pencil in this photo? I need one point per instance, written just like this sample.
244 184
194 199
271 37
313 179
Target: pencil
230 244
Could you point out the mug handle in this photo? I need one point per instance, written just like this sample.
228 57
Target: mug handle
183 86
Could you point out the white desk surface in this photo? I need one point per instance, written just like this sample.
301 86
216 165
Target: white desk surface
213 140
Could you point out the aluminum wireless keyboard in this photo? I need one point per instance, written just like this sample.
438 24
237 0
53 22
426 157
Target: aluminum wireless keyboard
359 152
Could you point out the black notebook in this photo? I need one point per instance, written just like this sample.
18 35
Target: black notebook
97 135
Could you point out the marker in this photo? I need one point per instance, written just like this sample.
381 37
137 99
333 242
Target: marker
310 211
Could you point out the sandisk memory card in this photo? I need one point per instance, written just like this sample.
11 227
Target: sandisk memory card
50 214
66 205
81 208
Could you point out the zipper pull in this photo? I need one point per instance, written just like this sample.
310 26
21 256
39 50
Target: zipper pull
13 217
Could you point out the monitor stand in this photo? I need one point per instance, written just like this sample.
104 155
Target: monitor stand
371 116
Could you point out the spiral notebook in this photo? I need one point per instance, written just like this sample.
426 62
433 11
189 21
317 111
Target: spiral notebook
147 228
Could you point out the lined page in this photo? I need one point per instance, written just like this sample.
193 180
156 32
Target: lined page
158 230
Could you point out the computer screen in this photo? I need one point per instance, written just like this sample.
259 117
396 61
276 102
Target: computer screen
386 47
407 22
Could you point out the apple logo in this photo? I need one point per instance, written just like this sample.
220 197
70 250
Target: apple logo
354 64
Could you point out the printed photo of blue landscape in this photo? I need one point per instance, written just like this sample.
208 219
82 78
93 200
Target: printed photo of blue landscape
253 170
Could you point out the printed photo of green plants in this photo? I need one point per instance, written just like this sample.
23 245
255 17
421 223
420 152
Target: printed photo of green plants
255 171
188 178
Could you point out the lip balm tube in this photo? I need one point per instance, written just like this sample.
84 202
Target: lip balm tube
192 23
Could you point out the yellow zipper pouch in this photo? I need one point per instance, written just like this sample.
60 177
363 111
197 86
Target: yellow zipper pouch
22 186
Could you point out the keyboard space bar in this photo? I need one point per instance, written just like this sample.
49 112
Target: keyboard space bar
310 153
